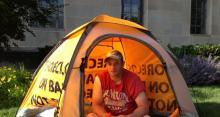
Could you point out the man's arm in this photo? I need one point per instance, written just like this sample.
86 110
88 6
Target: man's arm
97 99
142 106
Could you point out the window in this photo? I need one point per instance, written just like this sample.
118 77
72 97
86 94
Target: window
57 19
132 10
198 16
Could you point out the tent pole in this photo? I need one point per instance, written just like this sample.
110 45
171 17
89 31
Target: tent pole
82 81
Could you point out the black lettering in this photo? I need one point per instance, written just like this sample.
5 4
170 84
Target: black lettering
139 70
171 105
143 68
151 100
33 100
54 87
56 65
57 87
44 99
39 100
43 84
134 68
88 103
51 88
93 61
52 66
156 87
159 69
160 105
61 68
100 63
153 87
89 93
163 87
147 69
90 79
66 67
150 69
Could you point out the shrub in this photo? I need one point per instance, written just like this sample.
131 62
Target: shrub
200 71
200 63
13 85
194 50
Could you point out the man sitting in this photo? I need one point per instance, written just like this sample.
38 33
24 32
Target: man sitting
118 92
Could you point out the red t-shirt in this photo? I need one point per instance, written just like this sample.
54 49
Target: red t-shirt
119 99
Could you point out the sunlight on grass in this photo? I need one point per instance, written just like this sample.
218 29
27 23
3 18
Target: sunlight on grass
206 100
8 112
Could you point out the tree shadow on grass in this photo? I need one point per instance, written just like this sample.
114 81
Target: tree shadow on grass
201 94
208 109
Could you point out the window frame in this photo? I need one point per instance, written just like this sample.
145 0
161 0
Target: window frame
198 21
140 11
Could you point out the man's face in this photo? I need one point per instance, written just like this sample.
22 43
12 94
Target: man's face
114 67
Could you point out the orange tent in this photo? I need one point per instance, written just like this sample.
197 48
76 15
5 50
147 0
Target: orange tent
63 82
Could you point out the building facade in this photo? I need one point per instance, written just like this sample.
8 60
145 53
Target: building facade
174 22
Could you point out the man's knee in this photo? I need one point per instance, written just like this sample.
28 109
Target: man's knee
146 115
91 115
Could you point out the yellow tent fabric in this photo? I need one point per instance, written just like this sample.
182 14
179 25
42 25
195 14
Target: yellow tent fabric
46 89
74 63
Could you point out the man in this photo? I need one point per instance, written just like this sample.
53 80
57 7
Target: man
118 92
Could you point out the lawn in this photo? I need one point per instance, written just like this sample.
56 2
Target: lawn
205 98
8 112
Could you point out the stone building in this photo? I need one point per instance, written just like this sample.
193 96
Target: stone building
175 22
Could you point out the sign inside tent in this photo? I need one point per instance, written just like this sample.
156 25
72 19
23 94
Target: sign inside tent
138 59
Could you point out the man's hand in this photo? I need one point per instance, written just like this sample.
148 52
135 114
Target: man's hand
142 109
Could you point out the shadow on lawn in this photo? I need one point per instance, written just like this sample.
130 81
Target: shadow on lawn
208 109
202 94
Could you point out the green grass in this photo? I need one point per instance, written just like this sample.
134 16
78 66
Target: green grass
8 112
206 100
